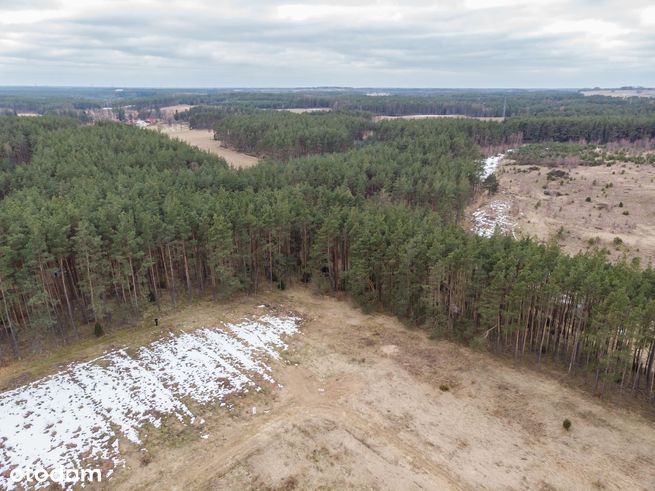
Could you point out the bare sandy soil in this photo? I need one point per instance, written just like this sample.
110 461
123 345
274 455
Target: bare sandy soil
621 92
170 110
204 139
300 110
565 215
360 407
428 116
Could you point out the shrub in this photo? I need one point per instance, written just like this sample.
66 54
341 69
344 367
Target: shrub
567 424
557 174
444 388
620 204
98 330
491 184
146 458
617 241
588 199
626 212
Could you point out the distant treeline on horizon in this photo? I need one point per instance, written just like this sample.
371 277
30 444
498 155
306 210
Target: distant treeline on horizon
378 100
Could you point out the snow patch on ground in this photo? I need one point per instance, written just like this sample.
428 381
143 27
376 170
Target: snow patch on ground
490 165
494 213
77 415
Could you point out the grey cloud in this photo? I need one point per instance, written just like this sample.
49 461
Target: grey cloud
229 43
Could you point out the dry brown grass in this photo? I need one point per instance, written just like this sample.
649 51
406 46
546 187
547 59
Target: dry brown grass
204 139
621 92
429 116
360 407
301 110
565 216
170 110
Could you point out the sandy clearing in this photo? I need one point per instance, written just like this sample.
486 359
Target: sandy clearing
81 411
204 139
600 221
429 116
361 408
621 92
301 110
492 213
170 110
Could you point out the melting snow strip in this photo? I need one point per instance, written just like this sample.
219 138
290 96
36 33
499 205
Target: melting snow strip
79 413
494 214
125 394
50 423
490 165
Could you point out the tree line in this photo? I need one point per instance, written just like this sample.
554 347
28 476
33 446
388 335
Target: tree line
399 102
100 221
514 131
283 135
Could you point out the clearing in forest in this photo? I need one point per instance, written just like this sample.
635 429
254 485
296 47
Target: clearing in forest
581 206
621 92
171 110
363 402
204 139
428 116
301 110
490 214
76 417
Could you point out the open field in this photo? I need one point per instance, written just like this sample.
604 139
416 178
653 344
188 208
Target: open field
171 110
82 411
204 139
426 116
301 110
365 403
620 215
621 92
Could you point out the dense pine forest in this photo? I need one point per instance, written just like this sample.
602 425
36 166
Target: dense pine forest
392 102
397 102
284 135
99 221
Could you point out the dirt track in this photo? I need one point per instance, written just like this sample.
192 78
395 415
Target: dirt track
361 408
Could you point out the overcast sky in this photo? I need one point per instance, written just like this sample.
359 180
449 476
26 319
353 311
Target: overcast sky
268 43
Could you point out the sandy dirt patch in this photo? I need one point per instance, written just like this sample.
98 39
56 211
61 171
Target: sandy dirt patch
366 403
301 110
429 116
490 214
620 215
78 414
204 139
171 110
621 92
